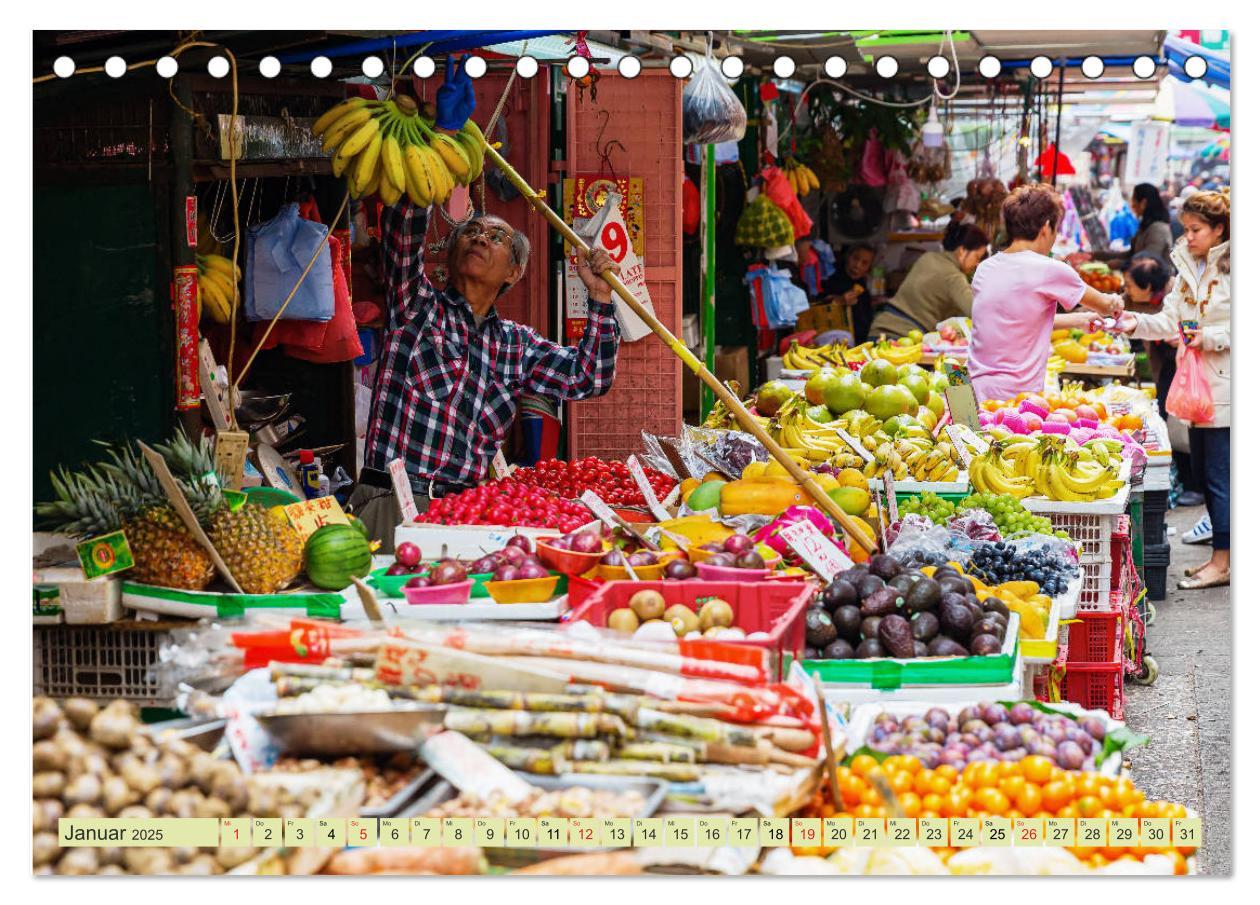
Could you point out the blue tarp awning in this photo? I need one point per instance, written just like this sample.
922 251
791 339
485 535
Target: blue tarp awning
1178 50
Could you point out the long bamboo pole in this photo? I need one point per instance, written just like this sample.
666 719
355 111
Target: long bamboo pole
729 399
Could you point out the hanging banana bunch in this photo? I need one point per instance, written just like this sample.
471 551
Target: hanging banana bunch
387 148
216 284
802 179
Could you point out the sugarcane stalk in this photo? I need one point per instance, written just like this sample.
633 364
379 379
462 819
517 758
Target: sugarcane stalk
729 399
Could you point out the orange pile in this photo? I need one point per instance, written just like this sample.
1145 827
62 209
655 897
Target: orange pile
1031 787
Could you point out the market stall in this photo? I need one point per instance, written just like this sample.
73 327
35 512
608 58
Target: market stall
849 599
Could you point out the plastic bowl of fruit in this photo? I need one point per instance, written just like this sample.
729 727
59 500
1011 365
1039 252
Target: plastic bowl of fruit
645 572
566 559
523 590
455 593
771 557
390 585
709 572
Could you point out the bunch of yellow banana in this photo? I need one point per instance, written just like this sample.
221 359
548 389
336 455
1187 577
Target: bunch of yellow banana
898 353
802 179
216 285
803 358
388 148
803 438
1052 467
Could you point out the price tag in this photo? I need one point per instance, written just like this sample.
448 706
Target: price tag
954 432
426 831
392 831
743 832
903 831
553 832
458 832
680 832
618 832
1122 832
1030 831
838 832
672 498
645 487
870 832
975 440
711 831
105 555
962 405
855 444
309 516
934 831
1155 831
361 832
488 831
823 556
1061 831
330 832
267 832
1091 832
890 493
521 832
649 832
681 542
806 831
299 832
499 468
964 832
600 508
1187 832
402 491
234 831
585 832
995 831
774 832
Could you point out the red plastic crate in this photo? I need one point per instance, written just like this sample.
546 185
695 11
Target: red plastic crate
774 607
1096 687
1096 637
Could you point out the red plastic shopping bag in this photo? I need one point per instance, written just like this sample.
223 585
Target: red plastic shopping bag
1190 396
777 189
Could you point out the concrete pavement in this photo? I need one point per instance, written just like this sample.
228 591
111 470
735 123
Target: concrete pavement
1187 712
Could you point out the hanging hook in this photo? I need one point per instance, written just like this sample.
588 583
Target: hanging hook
605 158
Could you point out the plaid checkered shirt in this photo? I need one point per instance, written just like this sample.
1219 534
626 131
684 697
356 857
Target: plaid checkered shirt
446 389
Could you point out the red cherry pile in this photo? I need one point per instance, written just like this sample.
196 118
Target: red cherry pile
508 503
611 480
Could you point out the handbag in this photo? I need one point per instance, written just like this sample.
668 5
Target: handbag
1190 396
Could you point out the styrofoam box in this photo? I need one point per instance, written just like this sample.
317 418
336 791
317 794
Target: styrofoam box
932 694
92 602
462 541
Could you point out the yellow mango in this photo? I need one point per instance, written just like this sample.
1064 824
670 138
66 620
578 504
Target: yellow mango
1021 589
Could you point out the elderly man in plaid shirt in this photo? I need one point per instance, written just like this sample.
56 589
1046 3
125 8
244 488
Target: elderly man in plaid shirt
452 370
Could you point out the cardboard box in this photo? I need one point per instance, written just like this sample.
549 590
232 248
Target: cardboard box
731 363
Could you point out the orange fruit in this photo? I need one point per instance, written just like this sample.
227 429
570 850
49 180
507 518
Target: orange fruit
1097 860
1069 810
851 789
1010 786
1054 795
1028 800
1037 768
871 797
941 784
1089 806
1088 783
925 813
865 810
932 802
956 803
900 782
923 782
984 775
910 803
948 771
993 800
862 763
1180 866
1107 795
1009 768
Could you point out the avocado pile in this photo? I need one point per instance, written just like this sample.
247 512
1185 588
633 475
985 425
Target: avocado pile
881 608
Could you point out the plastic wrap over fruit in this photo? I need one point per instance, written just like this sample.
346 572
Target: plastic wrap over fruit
975 524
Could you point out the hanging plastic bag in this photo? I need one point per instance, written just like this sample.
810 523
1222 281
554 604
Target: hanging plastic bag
276 253
763 224
874 168
778 190
712 112
1190 396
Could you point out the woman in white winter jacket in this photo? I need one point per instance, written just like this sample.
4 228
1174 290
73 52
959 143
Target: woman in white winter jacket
1196 309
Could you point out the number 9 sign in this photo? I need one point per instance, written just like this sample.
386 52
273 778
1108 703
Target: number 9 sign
615 241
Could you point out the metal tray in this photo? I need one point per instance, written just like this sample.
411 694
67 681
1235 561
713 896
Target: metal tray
341 734
205 734
399 799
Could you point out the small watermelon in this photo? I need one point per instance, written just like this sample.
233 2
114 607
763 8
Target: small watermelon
335 554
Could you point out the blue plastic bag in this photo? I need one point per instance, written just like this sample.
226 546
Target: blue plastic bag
775 299
276 254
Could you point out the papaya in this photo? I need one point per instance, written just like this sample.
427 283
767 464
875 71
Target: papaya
760 496
698 529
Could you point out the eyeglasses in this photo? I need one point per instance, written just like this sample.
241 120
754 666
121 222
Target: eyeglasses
495 235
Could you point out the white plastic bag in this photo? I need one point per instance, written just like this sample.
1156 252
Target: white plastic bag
712 112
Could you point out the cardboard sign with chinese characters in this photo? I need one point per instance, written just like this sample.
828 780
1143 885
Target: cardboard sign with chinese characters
309 516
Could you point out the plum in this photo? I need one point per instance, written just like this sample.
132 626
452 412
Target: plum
1015 754
1070 756
1006 737
1095 727
937 718
976 754
1021 713
936 736
993 714
967 714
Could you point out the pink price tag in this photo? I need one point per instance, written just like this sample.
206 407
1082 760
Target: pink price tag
402 490
817 550
599 508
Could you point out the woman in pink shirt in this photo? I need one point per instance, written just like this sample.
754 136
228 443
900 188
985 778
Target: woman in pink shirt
1016 294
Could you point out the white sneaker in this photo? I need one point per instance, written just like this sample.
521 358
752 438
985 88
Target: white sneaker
1201 533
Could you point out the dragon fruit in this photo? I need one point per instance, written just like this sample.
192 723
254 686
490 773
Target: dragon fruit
771 534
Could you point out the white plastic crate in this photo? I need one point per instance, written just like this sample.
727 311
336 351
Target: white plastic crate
1096 586
1091 532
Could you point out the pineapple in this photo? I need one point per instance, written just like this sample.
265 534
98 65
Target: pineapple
263 554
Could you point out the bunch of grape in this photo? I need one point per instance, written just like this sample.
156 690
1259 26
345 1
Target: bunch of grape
929 505
1010 517
995 563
